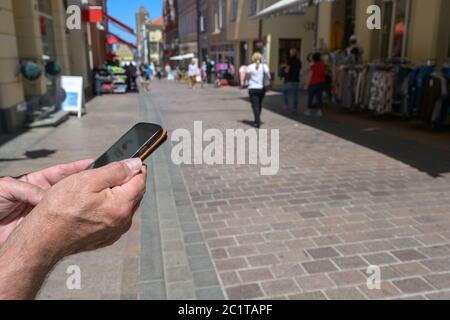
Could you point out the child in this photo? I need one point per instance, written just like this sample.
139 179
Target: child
315 84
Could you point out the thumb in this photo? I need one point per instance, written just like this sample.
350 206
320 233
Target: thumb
115 174
16 190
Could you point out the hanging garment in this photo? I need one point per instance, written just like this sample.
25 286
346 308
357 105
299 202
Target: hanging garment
360 87
432 92
382 92
348 89
368 86
423 73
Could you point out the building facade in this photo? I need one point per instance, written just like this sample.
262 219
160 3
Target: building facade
188 26
221 48
155 40
142 17
171 37
36 50
414 30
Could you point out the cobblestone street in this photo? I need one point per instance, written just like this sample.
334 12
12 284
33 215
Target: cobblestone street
351 192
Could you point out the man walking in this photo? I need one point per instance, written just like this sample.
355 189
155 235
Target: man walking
290 71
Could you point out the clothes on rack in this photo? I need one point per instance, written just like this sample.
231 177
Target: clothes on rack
381 92
393 88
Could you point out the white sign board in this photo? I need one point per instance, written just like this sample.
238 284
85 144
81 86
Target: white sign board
73 88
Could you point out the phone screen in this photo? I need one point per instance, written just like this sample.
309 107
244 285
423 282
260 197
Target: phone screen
131 144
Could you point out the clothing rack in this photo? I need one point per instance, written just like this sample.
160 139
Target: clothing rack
395 87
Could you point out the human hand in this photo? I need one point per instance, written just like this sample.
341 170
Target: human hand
89 210
19 196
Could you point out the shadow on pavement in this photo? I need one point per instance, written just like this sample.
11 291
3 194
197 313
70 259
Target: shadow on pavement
35 154
423 149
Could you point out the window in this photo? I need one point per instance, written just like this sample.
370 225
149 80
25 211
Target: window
252 9
394 37
46 26
153 47
260 5
234 10
220 14
202 23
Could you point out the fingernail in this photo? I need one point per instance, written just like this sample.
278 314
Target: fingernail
134 164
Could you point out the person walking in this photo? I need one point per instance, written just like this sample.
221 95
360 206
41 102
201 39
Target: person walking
193 73
315 84
257 75
290 71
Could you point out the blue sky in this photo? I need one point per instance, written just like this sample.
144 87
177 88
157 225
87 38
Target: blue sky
125 10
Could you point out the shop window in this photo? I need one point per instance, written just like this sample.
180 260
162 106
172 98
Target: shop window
46 27
394 36
343 26
350 18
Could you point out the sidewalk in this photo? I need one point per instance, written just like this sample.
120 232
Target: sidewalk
350 193
105 274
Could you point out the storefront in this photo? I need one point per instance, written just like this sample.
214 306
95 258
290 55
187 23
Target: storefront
286 25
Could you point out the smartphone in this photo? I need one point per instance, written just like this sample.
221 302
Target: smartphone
140 142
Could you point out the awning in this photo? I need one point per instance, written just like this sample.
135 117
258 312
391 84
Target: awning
286 6
121 25
183 57
119 39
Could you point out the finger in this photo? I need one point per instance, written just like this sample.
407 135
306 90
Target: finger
115 174
51 176
134 190
16 190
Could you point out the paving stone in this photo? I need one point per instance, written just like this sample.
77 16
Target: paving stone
437 265
444 296
181 291
255 275
412 285
382 258
344 294
244 292
195 250
386 291
322 253
346 278
408 255
201 263
354 262
313 296
275 288
213 293
205 279
439 281
314 282
320 266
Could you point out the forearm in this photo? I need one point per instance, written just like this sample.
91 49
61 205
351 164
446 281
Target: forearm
25 260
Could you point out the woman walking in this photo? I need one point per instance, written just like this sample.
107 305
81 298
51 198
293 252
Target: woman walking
258 74
193 72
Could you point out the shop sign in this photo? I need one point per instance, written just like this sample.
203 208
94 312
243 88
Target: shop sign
73 92
93 14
